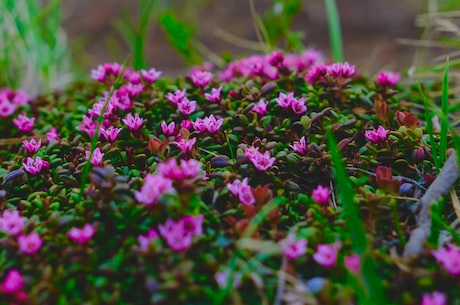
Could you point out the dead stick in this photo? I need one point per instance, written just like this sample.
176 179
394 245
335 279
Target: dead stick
440 186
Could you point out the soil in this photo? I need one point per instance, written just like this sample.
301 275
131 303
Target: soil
370 30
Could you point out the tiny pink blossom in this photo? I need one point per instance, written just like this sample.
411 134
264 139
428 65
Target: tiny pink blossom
96 159
52 135
151 75
133 122
235 186
12 283
260 107
436 298
23 123
133 77
145 240
317 73
7 108
263 162
298 106
98 108
449 258
30 244
215 95
192 224
134 90
321 194
179 235
187 124
176 97
326 255
11 222
188 169
36 166
83 235
293 248
352 263
300 146
243 191
88 126
201 78
341 70
199 125
185 146
186 107
122 99
285 100
103 71
32 146
153 188
250 152
111 133
168 129
388 79
378 135
213 125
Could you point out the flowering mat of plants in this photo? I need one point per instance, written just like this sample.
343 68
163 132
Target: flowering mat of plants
280 179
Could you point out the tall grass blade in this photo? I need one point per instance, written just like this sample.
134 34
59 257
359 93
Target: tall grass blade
445 112
355 227
335 34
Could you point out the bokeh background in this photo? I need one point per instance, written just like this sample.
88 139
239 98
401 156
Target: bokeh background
371 30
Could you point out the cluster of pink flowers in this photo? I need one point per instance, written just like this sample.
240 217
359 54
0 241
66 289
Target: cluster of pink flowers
209 124
388 78
180 100
88 126
300 146
321 194
82 235
153 187
13 285
102 72
378 135
10 101
292 247
151 75
35 166
242 190
435 298
24 123
52 135
11 222
32 146
186 169
179 235
289 101
338 72
261 161
260 107
215 96
449 258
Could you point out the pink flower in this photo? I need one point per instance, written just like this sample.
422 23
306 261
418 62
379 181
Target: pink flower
52 135
32 146
11 222
341 70
263 162
133 77
352 263
145 240
185 146
212 125
168 129
285 100
260 107
300 146
321 194
151 75
30 244
111 133
103 71
293 248
122 99
326 255
83 235
201 78
250 152
199 125
12 283
7 108
214 96
153 188
176 97
298 106
36 166
243 191
436 298
133 122
317 73
187 124
134 89
449 258
96 159
388 79
378 135
23 123
179 235
186 107
188 169
16 98
88 126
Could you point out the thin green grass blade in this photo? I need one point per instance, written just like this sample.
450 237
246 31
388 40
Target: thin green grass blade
355 227
335 34
445 111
